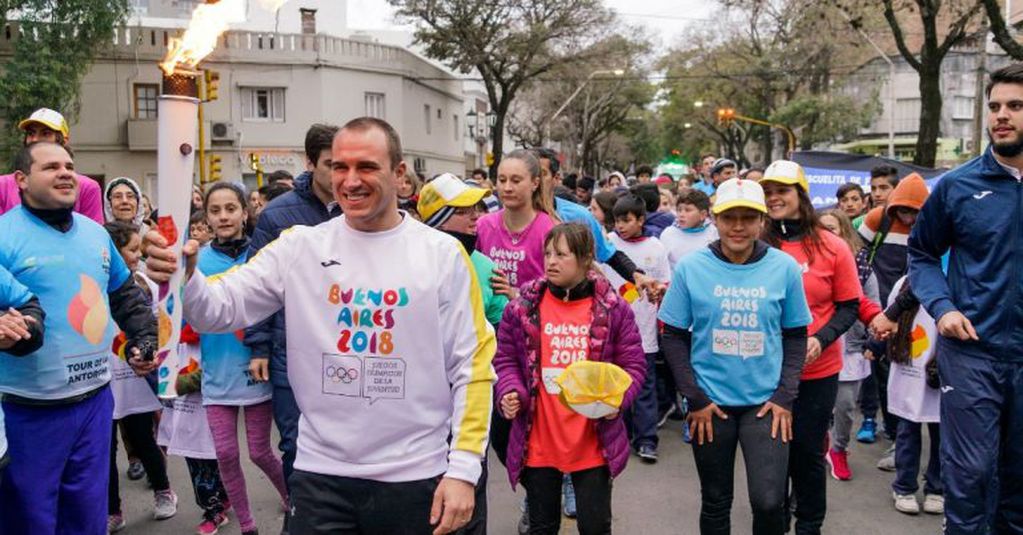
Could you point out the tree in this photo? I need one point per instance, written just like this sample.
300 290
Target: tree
507 42
54 44
825 118
1000 30
954 15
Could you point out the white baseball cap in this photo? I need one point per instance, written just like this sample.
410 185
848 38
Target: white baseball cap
739 193
49 118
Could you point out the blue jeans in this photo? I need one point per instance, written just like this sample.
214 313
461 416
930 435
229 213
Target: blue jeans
286 415
981 451
641 419
908 444
60 462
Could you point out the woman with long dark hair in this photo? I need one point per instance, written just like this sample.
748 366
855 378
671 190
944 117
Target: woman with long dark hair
833 292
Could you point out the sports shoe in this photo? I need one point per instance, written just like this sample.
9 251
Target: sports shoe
839 463
210 527
868 431
906 503
115 523
686 436
887 462
568 497
165 504
934 504
136 471
647 454
524 519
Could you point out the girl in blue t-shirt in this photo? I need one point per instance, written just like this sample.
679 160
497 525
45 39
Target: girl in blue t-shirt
735 320
227 385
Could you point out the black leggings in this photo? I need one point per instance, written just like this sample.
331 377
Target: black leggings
811 416
593 499
138 428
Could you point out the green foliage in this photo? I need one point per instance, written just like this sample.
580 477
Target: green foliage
54 42
825 118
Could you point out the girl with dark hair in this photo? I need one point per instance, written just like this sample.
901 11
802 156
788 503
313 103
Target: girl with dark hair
833 292
571 307
227 386
513 236
602 207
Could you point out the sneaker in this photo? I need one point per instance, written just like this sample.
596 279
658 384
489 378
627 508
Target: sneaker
686 436
887 462
664 416
136 471
115 523
934 504
568 497
868 431
839 463
524 519
165 504
210 527
647 454
906 503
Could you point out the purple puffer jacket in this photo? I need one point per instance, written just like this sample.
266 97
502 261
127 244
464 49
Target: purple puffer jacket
614 338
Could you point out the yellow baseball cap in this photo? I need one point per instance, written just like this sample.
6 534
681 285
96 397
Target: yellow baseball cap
739 193
440 196
49 118
786 172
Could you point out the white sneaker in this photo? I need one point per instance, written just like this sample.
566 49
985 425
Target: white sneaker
906 503
165 505
934 504
887 462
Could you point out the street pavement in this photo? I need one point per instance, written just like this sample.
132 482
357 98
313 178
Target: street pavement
648 499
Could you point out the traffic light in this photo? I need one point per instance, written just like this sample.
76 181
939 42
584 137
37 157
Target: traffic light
215 168
211 85
254 162
726 115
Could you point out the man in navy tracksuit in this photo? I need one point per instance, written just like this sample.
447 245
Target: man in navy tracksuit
976 211
310 203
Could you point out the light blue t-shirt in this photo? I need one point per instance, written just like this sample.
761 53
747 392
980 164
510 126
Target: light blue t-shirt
737 313
71 273
709 189
225 359
12 295
570 212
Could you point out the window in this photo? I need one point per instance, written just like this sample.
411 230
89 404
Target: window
263 104
438 114
145 100
962 108
456 130
375 105
907 114
426 118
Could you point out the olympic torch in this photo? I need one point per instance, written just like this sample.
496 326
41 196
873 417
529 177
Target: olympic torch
177 129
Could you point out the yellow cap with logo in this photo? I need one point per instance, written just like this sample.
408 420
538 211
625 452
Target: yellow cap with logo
786 172
49 118
440 196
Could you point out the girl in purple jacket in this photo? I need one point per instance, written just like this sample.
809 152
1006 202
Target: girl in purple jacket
571 314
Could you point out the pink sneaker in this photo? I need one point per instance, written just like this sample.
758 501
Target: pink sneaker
839 463
210 527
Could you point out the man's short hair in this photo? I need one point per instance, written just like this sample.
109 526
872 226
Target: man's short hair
844 189
650 194
549 155
318 138
696 198
644 170
394 152
273 190
480 172
629 204
278 176
23 160
887 171
1010 74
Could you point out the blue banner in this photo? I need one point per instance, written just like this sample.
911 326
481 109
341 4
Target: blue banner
827 171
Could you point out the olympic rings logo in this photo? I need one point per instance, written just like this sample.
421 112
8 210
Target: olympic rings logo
340 374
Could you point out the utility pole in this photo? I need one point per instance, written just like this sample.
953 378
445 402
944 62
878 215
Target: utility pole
978 98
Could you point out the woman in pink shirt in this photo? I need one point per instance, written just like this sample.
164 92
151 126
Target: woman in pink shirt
513 236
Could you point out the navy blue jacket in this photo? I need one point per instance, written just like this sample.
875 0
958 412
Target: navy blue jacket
297 207
977 211
656 222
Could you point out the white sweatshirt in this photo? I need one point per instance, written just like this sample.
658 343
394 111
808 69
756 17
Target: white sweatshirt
389 351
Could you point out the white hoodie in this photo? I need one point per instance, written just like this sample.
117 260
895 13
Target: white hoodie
389 351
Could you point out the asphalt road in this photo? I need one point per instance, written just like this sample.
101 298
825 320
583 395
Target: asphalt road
648 499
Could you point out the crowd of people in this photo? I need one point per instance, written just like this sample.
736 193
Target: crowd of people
395 328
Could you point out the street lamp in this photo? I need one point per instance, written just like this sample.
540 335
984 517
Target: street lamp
470 121
547 129
697 103
491 121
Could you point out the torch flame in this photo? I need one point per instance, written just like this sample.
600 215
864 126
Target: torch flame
208 22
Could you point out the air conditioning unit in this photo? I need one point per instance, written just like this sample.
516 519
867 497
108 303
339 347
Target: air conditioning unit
223 132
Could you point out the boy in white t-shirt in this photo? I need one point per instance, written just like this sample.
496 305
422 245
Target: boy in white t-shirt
650 256
692 230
